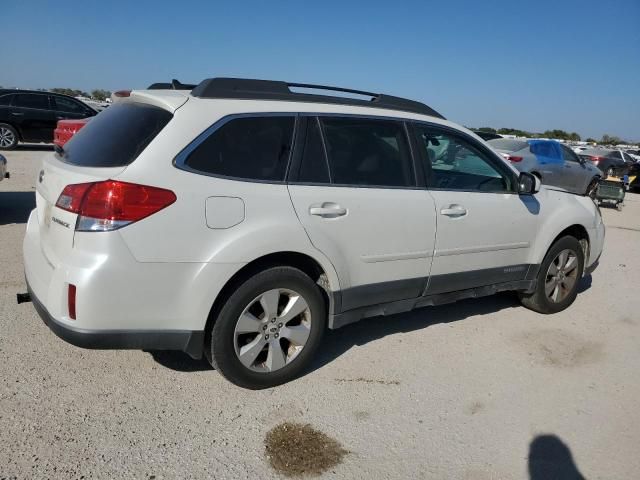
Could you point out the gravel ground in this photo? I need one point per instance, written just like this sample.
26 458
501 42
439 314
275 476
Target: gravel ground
476 390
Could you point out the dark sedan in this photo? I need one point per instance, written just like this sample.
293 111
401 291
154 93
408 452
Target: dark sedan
31 116
610 162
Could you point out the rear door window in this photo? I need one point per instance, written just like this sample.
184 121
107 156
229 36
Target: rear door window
67 105
249 148
5 100
368 152
31 100
116 136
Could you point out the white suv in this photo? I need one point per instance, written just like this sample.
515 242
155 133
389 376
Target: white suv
242 219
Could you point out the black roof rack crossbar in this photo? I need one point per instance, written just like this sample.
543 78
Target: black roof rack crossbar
174 85
249 89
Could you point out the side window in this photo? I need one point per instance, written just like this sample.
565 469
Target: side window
569 154
456 164
252 148
368 152
627 158
615 154
546 151
314 168
67 105
31 100
5 100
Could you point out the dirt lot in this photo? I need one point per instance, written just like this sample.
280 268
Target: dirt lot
477 390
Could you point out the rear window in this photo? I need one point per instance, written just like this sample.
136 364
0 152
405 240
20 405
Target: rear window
116 136
508 144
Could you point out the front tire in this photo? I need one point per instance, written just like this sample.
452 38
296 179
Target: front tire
268 331
558 278
8 137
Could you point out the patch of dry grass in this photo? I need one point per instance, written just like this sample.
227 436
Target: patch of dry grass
295 449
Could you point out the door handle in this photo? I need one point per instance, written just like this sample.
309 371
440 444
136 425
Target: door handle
454 210
327 210
17 114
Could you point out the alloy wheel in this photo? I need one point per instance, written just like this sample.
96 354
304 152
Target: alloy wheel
272 330
562 276
7 137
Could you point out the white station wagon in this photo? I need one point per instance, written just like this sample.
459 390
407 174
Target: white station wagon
241 219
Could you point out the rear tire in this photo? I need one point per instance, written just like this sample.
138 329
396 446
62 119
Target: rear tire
258 339
8 137
558 278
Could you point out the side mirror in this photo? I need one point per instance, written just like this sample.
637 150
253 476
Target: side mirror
528 184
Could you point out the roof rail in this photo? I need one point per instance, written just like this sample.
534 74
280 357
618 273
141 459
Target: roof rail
174 85
248 89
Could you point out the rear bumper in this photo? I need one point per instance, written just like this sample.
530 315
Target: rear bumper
188 341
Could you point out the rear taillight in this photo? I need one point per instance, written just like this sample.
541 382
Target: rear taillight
71 301
513 158
71 197
109 205
595 160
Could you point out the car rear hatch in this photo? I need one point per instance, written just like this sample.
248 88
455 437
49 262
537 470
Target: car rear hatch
100 151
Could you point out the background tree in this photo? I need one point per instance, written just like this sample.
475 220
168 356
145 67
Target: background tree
591 140
514 131
610 140
70 91
101 95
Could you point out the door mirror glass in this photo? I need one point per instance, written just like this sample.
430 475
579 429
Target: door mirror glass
528 184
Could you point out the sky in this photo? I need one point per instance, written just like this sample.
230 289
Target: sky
571 65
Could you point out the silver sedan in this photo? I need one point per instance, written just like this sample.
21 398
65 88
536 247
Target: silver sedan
554 163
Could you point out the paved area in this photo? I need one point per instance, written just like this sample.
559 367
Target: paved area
477 390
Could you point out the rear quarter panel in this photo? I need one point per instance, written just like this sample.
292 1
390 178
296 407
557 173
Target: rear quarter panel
180 233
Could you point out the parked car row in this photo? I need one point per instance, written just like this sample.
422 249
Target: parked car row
250 218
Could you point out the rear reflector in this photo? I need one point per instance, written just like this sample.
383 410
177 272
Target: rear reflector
109 205
71 297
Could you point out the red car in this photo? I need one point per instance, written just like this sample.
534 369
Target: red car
67 129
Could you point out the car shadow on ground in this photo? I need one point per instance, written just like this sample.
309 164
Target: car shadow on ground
34 147
179 361
15 207
338 342
549 458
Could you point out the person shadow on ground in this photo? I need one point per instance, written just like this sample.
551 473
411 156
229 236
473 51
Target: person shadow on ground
551 459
